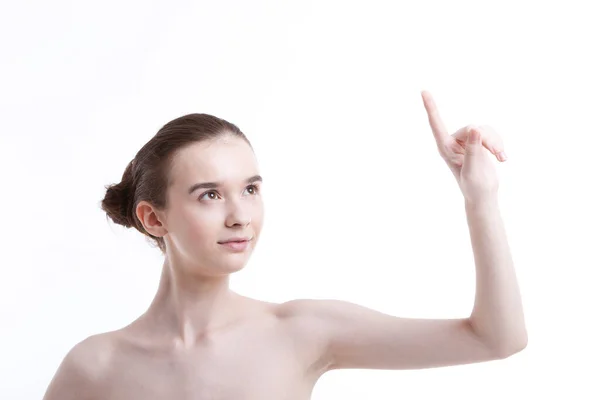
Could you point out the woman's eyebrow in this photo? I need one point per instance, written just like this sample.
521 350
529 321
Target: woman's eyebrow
214 185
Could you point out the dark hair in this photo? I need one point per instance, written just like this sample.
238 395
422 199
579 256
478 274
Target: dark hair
147 176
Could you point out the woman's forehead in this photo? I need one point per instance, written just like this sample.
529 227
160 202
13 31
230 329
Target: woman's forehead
226 162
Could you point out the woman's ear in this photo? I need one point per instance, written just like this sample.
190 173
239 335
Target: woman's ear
154 221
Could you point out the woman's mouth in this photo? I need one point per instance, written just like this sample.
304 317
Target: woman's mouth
236 245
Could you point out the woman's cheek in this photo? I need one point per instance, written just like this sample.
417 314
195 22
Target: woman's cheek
205 225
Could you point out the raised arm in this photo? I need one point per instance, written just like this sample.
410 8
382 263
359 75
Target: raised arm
353 336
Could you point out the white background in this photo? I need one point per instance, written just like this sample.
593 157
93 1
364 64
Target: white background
359 204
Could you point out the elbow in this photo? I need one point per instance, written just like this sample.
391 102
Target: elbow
512 349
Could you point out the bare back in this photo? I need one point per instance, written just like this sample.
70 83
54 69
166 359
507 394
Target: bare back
268 356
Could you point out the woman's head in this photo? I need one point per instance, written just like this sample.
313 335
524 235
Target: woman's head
155 195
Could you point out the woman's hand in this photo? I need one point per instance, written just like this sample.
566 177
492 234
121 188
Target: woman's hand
471 166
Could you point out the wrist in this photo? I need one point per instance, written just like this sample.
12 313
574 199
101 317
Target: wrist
482 203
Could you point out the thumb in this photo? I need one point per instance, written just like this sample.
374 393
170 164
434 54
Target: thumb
473 142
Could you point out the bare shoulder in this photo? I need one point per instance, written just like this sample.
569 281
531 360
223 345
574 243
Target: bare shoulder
96 350
80 373
300 319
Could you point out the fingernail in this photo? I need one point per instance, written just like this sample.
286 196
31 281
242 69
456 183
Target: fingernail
473 136
502 156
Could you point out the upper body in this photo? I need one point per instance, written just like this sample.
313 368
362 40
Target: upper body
275 351
262 355
200 340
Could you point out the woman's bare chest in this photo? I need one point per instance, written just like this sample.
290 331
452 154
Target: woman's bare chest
247 364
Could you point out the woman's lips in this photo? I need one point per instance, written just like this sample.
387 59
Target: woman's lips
236 246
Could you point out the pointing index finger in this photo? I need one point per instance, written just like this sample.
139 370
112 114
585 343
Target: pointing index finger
435 121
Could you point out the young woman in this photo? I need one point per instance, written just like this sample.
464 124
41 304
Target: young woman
195 190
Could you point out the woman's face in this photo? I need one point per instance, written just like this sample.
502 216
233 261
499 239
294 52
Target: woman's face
198 219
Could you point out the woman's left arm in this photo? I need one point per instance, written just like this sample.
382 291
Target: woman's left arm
497 315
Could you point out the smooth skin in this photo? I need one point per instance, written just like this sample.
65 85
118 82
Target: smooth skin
200 340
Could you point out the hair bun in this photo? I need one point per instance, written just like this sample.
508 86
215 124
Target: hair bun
116 204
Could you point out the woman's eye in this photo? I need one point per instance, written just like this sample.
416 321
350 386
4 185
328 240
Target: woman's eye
255 191
205 193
